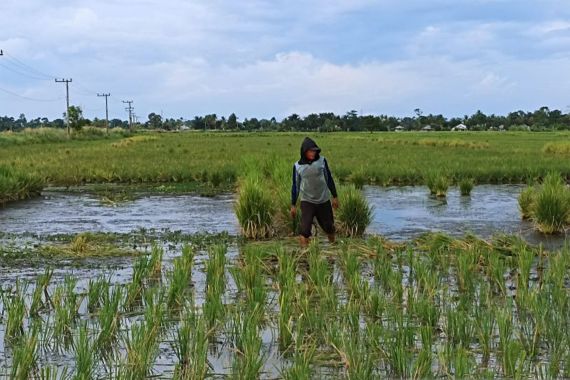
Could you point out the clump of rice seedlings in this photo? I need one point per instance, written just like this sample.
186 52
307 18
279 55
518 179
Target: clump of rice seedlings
354 213
551 207
42 283
191 348
496 269
248 359
438 183
25 356
357 287
84 358
302 359
286 282
465 186
65 310
462 363
213 308
358 178
484 327
135 288
525 260
355 352
141 346
53 373
255 209
526 201
15 308
155 264
109 321
466 264
95 290
180 278
459 327
249 278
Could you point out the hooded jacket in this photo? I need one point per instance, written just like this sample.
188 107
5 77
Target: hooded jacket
312 180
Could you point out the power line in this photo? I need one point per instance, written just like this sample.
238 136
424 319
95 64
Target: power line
130 109
66 81
106 110
18 62
22 73
28 98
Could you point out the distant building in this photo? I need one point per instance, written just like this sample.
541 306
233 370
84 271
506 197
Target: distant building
427 128
399 128
459 127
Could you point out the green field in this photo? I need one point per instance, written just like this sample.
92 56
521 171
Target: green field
380 158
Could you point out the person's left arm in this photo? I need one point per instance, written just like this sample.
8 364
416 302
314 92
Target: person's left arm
330 183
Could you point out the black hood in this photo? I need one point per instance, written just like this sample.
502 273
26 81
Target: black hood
308 144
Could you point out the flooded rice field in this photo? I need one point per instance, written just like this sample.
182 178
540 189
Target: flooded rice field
187 306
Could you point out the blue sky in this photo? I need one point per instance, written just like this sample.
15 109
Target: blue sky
273 58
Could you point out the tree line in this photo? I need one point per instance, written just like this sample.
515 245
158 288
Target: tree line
543 119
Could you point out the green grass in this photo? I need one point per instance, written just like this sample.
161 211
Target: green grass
386 158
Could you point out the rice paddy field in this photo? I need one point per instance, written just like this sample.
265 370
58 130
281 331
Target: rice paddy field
119 267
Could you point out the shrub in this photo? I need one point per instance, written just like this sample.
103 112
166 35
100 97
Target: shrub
254 209
354 213
551 208
466 185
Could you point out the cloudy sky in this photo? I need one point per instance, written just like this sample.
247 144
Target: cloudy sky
272 58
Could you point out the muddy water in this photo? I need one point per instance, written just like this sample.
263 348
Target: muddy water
61 213
403 213
400 213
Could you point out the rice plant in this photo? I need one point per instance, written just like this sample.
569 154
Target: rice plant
180 278
438 183
551 207
109 321
246 341
286 281
215 284
255 209
85 361
466 185
526 201
25 356
354 213
141 348
95 290
41 289
15 308
191 347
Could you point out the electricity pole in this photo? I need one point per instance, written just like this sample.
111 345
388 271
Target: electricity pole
130 109
106 111
66 81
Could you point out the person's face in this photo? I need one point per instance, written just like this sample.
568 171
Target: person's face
310 154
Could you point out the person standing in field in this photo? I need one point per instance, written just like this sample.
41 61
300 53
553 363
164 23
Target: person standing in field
314 185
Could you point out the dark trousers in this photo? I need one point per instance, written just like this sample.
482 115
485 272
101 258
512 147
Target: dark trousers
324 214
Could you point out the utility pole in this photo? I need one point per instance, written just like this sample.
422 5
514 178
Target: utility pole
130 109
106 111
1 52
66 81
